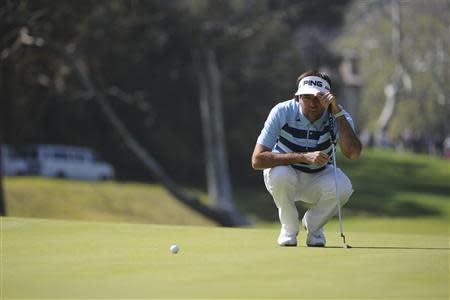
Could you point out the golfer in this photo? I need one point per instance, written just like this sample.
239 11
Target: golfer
295 151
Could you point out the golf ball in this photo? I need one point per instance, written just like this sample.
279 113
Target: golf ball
174 249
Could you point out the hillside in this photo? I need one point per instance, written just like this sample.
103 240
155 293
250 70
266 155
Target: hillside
101 201
386 184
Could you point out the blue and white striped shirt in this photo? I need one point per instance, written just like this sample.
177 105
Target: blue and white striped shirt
287 130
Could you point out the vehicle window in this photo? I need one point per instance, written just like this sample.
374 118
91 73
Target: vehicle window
12 154
46 154
61 155
96 156
28 153
78 156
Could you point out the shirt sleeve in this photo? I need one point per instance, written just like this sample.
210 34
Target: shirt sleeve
272 127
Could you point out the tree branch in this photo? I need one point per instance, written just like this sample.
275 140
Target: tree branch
150 163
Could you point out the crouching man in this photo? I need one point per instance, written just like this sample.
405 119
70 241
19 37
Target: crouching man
294 149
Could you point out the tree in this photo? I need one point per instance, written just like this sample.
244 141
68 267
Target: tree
403 48
239 25
218 180
221 214
2 196
398 80
210 99
148 65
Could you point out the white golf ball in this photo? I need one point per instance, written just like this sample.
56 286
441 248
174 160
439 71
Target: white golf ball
174 249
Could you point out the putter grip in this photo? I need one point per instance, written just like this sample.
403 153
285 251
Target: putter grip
331 123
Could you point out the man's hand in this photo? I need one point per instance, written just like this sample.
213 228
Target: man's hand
327 99
348 141
316 158
264 158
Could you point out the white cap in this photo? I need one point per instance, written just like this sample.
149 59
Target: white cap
311 85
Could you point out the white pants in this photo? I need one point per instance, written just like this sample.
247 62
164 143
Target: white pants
287 185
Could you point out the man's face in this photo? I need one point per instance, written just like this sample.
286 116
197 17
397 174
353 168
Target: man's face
311 107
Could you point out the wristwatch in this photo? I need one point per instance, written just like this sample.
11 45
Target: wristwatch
339 114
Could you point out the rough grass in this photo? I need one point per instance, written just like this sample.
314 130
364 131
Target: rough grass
101 201
394 259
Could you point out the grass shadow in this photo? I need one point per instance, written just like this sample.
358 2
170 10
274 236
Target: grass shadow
389 248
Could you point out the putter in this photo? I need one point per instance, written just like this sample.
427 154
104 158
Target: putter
333 146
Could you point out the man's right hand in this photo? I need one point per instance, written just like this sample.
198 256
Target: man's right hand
316 158
264 158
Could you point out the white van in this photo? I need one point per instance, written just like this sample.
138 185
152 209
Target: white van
66 162
12 164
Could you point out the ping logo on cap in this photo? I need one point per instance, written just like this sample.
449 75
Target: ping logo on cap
312 85
313 82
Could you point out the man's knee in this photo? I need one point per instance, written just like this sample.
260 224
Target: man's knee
279 177
345 188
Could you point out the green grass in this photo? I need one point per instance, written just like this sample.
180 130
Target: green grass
101 201
395 184
391 258
386 183
397 221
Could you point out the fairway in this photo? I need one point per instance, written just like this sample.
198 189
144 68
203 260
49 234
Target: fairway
72 259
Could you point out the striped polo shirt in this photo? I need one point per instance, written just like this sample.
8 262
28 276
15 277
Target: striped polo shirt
287 130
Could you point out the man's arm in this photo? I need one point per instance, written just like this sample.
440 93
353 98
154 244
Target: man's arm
348 141
264 158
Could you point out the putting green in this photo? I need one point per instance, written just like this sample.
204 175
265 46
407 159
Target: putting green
67 259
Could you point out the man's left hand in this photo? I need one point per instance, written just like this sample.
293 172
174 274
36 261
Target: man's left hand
327 99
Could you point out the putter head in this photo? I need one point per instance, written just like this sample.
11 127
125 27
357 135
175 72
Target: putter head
346 246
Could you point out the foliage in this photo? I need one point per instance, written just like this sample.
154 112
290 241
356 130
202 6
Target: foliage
424 53
140 54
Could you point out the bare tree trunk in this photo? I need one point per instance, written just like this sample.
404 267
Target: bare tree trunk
150 163
392 88
349 72
2 195
156 169
6 120
218 180
447 63
390 91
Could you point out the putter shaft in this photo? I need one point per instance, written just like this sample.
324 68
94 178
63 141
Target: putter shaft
338 197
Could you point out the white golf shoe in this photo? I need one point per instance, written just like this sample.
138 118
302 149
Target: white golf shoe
287 240
316 238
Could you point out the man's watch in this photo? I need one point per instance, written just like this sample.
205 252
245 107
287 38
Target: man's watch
339 114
